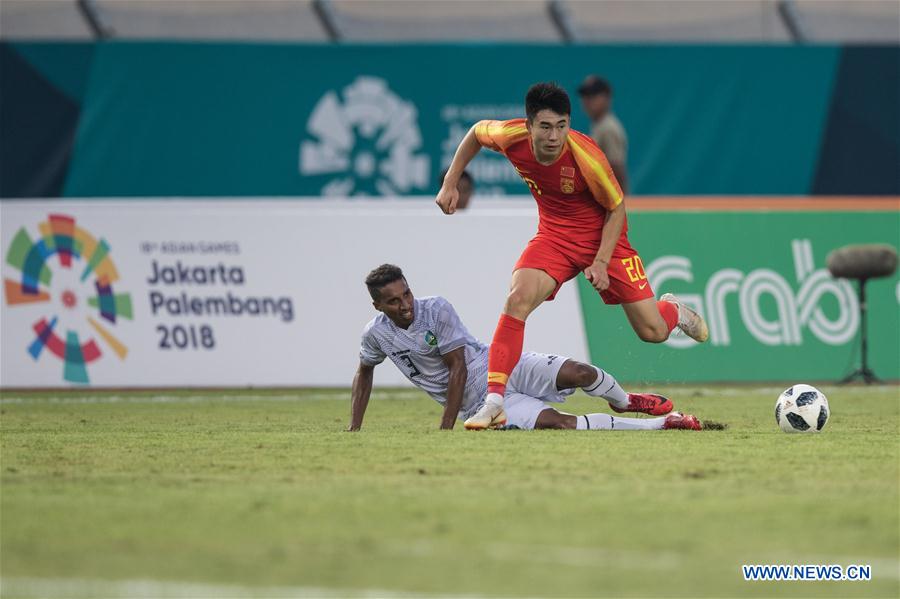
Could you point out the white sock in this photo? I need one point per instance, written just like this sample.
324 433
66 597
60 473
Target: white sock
494 398
607 387
606 422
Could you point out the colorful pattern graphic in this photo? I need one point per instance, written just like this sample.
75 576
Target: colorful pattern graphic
60 236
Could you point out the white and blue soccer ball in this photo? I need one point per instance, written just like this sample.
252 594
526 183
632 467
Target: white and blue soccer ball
802 409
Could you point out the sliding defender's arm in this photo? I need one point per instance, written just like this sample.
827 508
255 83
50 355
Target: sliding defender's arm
359 396
456 385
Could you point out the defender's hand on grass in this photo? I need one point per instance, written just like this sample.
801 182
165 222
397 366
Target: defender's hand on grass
597 276
447 198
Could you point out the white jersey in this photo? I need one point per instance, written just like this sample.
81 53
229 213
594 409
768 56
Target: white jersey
417 351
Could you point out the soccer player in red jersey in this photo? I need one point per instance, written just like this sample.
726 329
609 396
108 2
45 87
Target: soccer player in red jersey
582 228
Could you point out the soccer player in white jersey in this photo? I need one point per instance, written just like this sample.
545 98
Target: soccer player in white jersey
427 341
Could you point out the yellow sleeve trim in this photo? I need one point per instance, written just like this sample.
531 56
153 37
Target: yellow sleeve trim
602 184
499 135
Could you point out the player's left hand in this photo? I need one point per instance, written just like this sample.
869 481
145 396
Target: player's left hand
597 276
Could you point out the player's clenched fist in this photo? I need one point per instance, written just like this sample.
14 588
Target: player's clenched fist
597 276
447 198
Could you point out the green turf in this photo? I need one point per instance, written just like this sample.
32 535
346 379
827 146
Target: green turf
258 490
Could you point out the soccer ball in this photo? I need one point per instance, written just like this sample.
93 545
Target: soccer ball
802 409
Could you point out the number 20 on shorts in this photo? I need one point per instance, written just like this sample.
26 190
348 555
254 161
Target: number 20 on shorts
635 268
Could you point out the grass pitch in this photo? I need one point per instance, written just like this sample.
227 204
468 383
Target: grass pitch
262 493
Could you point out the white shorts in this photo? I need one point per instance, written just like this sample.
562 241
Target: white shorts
532 389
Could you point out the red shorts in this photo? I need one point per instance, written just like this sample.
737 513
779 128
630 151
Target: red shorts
627 280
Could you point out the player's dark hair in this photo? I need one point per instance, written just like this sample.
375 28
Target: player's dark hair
381 276
546 96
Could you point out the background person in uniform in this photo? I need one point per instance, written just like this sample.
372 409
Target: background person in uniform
606 130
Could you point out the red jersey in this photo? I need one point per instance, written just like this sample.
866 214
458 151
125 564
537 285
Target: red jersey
573 194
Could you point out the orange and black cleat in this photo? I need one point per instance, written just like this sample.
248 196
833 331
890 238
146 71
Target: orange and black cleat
646 403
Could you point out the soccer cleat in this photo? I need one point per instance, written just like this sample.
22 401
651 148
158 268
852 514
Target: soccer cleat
691 323
489 415
647 403
677 420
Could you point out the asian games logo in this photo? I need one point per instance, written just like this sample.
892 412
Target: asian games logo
75 290
366 144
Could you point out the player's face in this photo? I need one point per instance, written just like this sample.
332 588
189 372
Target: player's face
397 303
549 131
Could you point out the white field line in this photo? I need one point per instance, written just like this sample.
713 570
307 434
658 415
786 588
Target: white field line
93 588
773 392
587 557
344 395
204 398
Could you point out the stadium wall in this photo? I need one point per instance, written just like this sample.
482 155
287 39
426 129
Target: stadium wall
264 292
119 119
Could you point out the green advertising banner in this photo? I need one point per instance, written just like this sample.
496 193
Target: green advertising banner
195 119
759 279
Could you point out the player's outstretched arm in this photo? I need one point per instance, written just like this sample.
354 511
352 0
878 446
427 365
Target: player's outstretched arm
456 385
359 396
448 196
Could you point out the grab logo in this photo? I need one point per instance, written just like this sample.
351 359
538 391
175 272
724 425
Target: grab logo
366 141
797 308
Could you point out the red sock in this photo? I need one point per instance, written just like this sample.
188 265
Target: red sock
669 312
506 349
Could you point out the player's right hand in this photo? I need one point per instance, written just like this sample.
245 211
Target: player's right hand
447 198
